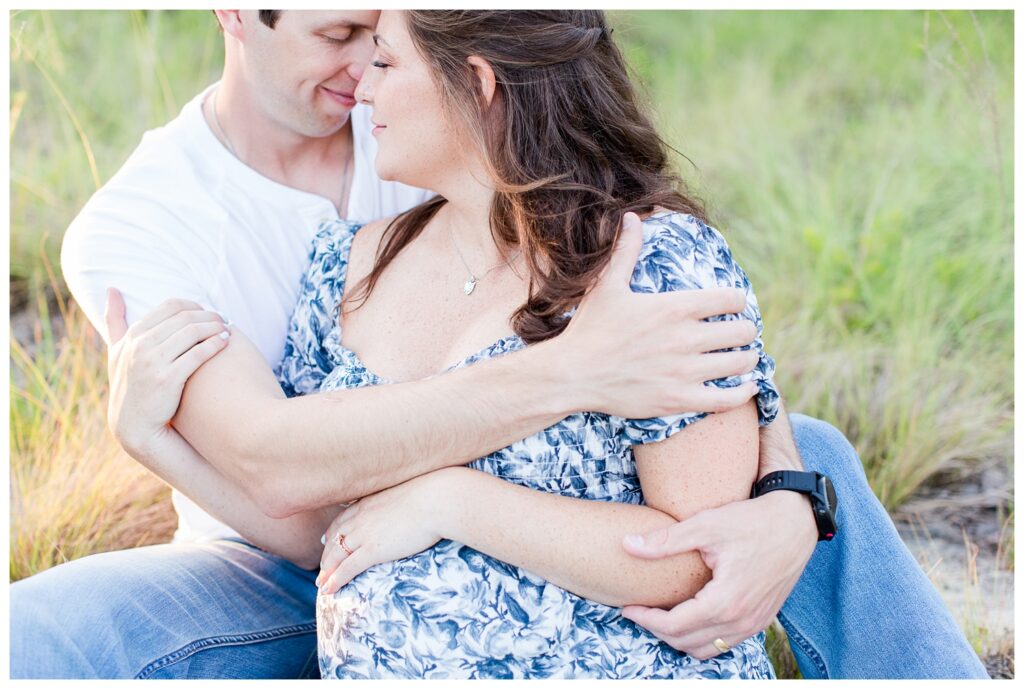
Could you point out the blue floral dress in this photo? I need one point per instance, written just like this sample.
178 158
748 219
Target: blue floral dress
454 612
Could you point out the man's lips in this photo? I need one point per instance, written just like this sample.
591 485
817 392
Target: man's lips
346 98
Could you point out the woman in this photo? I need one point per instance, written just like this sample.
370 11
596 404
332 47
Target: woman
526 126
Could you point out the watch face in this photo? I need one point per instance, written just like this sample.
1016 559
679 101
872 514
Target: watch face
830 493
828 524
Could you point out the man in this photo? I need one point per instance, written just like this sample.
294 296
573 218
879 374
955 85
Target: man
218 207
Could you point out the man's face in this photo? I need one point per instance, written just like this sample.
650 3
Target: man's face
303 73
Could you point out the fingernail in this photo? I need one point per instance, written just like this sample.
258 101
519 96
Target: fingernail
318 582
635 540
323 589
323 540
225 335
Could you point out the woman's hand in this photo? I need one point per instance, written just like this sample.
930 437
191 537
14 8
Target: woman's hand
149 363
395 523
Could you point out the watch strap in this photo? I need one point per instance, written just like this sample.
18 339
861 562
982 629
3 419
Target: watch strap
799 481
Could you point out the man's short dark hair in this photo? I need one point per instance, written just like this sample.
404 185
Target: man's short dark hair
269 17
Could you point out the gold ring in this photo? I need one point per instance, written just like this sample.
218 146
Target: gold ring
341 542
721 645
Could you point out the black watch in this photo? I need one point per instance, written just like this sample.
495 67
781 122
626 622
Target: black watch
816 486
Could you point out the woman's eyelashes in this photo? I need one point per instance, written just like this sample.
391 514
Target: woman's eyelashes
380 65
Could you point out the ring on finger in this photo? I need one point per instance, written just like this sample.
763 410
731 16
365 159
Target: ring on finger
341 542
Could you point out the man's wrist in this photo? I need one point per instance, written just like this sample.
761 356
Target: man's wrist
562 387
795 513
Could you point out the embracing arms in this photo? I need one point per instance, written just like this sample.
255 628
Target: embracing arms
309 452
574 543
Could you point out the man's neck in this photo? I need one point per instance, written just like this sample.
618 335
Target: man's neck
318 165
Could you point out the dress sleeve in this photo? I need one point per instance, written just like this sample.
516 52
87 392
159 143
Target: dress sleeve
308 356
681 252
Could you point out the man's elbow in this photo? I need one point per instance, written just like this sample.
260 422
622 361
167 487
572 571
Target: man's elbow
273 497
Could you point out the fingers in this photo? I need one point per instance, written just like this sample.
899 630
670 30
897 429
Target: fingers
190 335
189 362
710 336
677 627
334 555
114 315
713 301
716 399
717 365
625 254
164 311
166 329
681 537
353 565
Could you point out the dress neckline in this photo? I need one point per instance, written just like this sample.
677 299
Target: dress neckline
339 352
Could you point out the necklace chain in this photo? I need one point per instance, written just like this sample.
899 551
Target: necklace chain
220 129
470 283
231 149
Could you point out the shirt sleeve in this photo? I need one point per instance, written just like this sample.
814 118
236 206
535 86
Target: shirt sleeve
312 336
122 239
681 252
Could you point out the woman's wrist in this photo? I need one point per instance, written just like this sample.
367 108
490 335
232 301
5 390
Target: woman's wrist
446 500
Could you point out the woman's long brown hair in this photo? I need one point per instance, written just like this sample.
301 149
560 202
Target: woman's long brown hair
568 145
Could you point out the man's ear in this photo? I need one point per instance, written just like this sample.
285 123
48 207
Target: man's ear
485 77
231 23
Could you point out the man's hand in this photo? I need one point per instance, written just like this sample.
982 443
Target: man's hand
643 355
776 532
149 363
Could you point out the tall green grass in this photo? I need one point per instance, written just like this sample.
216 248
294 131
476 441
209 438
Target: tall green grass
859 163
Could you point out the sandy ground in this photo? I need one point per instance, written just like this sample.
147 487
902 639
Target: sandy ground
955 531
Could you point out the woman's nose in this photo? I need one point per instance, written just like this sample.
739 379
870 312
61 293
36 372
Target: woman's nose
364 90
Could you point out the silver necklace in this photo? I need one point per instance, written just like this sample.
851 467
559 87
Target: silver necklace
231 149
220 129
471 281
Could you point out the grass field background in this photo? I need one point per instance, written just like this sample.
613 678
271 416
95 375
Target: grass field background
859 163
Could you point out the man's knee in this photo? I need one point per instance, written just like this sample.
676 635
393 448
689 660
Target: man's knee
823 448
50 627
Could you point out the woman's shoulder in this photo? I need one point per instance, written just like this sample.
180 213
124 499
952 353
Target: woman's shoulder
682 251
666 225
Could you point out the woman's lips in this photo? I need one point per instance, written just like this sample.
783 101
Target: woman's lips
346 99
378 128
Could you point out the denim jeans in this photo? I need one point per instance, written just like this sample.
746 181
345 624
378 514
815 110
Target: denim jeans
218 609
863 608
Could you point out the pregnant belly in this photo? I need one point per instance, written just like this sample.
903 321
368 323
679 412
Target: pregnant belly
448 612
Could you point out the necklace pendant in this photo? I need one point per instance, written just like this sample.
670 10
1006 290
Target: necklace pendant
469 286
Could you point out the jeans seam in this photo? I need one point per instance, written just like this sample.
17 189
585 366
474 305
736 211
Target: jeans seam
798 638
227 640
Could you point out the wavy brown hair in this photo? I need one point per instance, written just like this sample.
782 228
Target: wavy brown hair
568 147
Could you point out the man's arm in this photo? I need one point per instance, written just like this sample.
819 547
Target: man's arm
308 452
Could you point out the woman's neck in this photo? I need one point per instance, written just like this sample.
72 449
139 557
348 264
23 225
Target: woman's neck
467 217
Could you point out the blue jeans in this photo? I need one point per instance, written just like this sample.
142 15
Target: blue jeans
863 607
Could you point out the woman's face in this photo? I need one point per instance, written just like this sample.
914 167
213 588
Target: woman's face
417 144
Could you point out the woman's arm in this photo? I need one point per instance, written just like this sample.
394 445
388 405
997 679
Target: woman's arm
571 542
308 452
